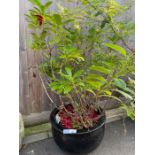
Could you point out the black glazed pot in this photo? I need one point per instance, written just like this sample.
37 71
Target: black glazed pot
82 142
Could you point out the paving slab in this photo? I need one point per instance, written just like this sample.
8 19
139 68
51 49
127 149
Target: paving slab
119 139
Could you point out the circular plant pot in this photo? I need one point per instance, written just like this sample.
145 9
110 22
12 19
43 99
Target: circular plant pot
77 141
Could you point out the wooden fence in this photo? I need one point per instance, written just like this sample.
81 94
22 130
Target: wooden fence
32 98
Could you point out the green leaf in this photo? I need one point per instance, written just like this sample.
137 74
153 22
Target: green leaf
116 48
127 96
68 71
110 96
131 81
57 19
80 84
122 85
67 89
96 77
84 2
37 9
103 23
78 73
56 86
80 58
68 77
98 13
100 69
48 4
129 109
94 84
108 92
68 21
35 2
119 83
129 90
91 91
38 4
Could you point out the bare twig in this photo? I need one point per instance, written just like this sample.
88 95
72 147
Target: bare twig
47 91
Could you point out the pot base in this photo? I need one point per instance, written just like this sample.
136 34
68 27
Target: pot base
82 142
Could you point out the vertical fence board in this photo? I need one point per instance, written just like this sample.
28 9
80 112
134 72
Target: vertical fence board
23 72
23 82
35 89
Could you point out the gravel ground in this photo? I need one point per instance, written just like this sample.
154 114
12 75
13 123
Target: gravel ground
119 139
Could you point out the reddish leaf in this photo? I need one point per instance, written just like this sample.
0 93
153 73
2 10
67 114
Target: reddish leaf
40 19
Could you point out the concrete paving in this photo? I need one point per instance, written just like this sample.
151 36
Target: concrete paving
119 139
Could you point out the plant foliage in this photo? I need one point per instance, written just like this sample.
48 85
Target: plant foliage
82 60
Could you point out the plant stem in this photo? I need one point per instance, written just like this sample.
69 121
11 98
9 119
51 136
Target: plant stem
69 113
46 91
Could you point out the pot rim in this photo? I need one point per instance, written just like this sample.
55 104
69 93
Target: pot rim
98 125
